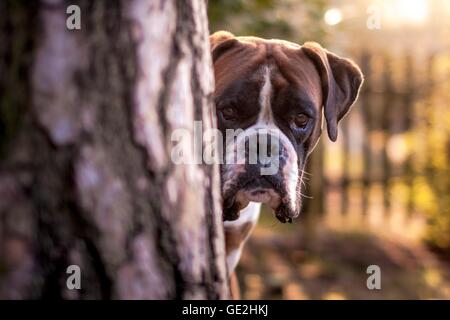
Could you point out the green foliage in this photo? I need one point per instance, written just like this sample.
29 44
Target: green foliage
438 168
297 21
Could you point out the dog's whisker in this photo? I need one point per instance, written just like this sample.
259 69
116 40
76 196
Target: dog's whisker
303 183
305 172
305 196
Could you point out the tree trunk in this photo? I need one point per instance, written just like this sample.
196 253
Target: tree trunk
86 176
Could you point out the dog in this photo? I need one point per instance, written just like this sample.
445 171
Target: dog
276 90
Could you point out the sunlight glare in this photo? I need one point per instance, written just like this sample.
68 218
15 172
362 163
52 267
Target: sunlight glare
413 11
333 16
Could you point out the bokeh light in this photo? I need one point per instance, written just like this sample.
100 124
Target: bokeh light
333 16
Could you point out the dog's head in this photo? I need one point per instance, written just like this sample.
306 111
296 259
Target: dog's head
269 99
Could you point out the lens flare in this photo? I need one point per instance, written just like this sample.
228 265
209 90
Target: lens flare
333 16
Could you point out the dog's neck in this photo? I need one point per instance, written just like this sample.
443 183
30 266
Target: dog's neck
238 231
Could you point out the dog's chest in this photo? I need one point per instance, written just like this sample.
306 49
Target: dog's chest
238 231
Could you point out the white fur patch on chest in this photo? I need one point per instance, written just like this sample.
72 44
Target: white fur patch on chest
249 214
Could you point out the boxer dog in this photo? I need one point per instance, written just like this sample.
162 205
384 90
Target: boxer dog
274 91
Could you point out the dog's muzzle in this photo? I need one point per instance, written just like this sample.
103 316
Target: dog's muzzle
260 166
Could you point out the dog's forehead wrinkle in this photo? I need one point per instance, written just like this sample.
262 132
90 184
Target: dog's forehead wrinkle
296 70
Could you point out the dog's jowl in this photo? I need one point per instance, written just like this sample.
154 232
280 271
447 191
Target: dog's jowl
273 94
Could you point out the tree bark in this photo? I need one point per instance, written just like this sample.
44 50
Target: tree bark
86 177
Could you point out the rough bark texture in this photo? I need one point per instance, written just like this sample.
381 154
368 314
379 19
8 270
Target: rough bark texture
85 171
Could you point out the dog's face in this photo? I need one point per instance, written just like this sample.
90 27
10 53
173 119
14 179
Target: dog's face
273 93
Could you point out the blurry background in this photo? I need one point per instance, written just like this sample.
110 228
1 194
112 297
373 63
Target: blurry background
380 194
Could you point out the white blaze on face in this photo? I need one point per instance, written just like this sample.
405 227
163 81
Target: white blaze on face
266 121
265 115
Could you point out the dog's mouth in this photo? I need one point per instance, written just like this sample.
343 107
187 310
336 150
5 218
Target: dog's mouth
265 190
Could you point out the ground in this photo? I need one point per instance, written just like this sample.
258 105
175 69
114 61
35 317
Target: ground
291 262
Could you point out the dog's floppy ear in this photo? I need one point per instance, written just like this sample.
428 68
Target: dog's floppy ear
341 80
220 42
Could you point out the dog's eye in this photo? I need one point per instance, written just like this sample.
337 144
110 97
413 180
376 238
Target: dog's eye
300 120
229 113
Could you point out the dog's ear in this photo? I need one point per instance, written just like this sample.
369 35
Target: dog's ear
220 42
341 80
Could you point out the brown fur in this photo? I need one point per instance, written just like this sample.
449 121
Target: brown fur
332 81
